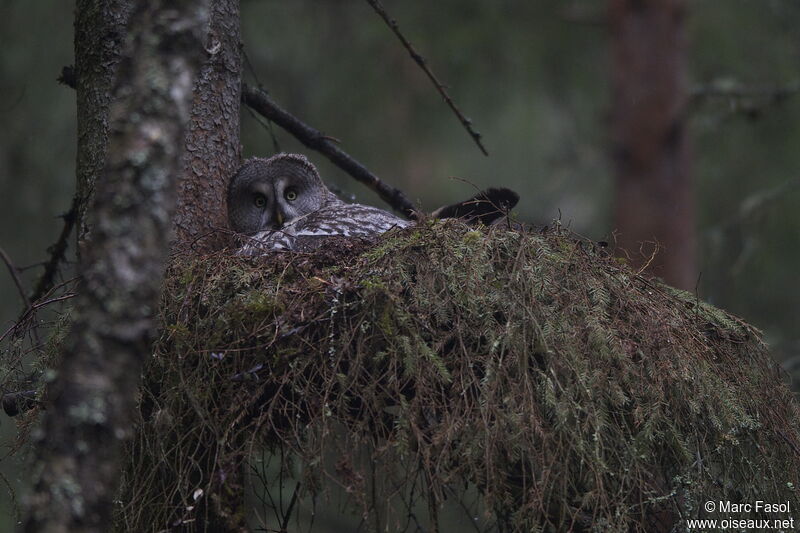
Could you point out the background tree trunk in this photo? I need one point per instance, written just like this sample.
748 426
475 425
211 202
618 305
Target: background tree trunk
99 35
213 150
654 197
91 401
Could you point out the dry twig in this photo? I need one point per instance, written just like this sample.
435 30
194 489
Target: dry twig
57 252
423 64
14 271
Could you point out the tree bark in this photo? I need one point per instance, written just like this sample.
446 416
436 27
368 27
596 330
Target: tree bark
91 400
99 35
213 149
654 198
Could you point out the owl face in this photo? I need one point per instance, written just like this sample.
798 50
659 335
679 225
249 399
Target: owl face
269 194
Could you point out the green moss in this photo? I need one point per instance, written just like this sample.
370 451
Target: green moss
562 388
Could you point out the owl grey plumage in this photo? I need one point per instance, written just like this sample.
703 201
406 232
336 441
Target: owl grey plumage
282 204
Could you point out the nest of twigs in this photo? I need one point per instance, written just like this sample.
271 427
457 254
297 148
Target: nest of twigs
446 377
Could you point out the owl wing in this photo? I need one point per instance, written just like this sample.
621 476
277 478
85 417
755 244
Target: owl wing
334 219
266 241
348 220
345 220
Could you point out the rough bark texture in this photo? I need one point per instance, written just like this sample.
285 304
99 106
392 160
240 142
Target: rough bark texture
91 400
99 34
654 197
212 142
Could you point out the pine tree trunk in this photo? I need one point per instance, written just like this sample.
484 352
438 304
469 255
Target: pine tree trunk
99 35
92 399
654 197
212 143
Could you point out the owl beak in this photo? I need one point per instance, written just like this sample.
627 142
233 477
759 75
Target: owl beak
279 219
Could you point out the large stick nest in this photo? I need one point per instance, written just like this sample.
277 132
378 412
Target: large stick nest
446 375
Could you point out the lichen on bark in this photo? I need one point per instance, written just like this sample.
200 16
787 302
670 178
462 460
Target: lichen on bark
99 35
92 396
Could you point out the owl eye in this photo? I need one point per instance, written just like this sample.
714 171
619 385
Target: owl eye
290 195
260 201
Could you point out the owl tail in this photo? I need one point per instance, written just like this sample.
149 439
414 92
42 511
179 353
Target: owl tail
485 207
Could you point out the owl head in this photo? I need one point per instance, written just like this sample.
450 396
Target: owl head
268 194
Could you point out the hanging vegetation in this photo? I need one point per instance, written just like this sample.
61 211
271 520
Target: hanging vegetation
515 381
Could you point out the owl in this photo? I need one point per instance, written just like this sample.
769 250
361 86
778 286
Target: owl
282 204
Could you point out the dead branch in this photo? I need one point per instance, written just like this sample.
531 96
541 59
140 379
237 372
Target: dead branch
14 271
419 60
262 103
46 282
57 252
259 101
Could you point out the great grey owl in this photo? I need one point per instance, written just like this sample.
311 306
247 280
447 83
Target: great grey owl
282 204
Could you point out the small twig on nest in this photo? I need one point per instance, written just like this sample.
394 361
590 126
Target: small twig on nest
39 305
467 123
261 102
791 444
656 249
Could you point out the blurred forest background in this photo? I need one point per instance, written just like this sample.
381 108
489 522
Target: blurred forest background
534 77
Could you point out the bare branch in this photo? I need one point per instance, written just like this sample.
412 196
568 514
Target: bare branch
261 102
46 281
57 252
14 271
28 313
288 515
419 60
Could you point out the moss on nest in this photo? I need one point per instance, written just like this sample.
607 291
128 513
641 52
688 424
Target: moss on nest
441 363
